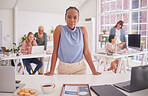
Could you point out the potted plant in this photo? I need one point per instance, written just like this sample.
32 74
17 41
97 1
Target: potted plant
14 50
51 33
142 44
52 30
8 51
104 31
17 49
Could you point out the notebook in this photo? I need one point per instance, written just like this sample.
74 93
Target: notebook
106 90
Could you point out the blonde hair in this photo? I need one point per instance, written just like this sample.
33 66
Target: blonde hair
27 40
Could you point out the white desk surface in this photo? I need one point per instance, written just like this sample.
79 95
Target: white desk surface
24 56
121 55
14 57
35 81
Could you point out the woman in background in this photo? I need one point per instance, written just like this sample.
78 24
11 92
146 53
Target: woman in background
110 47
119 32
26 49
70 44
41 39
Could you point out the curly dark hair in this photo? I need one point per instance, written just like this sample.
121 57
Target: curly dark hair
71 8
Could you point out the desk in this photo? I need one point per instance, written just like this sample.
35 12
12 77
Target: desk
59 80
121 58
15 58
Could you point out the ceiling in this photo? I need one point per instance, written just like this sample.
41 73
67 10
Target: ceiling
52 6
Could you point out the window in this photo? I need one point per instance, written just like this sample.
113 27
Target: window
0 34
111 12
132 12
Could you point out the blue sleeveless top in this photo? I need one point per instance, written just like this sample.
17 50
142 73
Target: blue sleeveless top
71 45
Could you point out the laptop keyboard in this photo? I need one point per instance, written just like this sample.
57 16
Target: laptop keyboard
127 87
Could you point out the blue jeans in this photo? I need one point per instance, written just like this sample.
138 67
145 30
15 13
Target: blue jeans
32 60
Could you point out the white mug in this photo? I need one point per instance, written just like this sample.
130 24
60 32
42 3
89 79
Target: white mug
47 88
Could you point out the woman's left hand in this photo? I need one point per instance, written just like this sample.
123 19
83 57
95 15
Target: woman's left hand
96 73
49 73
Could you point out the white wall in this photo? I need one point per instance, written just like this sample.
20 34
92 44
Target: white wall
28 21
88 9
6 16
90 27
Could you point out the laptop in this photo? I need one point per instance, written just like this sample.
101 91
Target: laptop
7 80
37 50
139 80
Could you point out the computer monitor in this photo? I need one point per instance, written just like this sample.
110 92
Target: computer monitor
134 41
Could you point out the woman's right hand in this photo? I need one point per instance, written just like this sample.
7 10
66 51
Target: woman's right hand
123 43
49 73
29 52
96 73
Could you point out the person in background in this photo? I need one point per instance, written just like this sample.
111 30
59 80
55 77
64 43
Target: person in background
110 47
41 39
119 32
26 48
70 44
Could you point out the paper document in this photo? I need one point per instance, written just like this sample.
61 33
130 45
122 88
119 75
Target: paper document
71 91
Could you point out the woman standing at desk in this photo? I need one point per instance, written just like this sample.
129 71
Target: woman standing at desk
119 32
26 49
41 39
70 44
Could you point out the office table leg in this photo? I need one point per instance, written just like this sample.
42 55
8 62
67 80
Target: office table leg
48 64
8 64
128 67
105 64
21 61
119 65
124 67
146 58
99 63
15 64
143 56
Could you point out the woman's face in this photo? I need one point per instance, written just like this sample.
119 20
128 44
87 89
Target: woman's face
119 26
72 18
31 37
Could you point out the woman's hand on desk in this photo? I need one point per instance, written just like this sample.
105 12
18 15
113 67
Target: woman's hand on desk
123 43
96 73
49 73
29 52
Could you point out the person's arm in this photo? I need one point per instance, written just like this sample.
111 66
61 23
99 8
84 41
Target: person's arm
124 39
87 52
45 42
35 43
111 31
23 48
56 37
